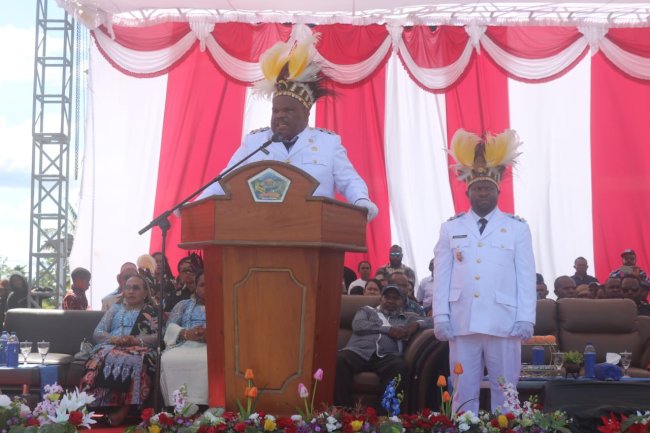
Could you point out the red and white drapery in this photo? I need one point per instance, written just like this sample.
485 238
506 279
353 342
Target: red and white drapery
169 103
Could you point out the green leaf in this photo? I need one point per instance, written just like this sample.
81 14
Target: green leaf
390 427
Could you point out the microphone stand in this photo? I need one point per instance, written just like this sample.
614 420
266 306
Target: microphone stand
162 221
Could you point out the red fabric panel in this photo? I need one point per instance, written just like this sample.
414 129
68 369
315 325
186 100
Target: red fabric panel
533 42
357 115
202 128
346 44
153 38
479 103
247 41
636 40
435 49
620 109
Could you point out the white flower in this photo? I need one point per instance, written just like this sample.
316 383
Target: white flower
395 418
463 426
296 418
5 401
254 416
269 417
24 410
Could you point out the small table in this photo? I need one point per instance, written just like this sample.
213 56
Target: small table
582 397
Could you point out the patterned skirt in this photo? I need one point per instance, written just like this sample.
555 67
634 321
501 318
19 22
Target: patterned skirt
119 376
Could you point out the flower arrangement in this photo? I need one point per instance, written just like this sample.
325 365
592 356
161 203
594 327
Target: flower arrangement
59 412
514 417
635 423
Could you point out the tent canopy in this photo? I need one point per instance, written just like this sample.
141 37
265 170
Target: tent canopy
361 12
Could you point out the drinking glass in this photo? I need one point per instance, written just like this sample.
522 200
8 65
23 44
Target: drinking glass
43 350
626 359
558 360
25 349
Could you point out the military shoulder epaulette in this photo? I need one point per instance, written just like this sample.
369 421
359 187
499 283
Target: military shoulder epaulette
456 216
326 131
516 217
255 131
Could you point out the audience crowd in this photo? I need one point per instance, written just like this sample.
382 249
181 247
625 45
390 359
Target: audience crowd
121 368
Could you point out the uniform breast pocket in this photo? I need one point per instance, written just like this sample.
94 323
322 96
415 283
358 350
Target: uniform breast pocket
459 243
314 159
503 251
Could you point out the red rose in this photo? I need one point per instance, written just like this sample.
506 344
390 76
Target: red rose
165 420
510 416
75 417
32 421
146 414
220 428
240 427
637 428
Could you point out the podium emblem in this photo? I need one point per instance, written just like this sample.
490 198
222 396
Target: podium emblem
269 186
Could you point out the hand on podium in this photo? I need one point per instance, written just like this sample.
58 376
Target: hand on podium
372 208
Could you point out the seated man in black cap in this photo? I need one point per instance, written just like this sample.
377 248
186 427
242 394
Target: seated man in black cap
377 343
76 298
629 267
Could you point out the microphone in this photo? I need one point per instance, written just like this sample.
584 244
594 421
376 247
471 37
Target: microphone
275 138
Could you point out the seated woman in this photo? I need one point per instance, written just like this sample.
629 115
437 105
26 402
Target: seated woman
186 360
121 368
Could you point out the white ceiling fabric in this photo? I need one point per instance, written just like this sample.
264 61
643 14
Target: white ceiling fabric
361 12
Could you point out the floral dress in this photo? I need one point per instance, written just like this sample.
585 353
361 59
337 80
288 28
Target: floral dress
122 375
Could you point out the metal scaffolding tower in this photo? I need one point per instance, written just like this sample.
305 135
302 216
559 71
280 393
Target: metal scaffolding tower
51 132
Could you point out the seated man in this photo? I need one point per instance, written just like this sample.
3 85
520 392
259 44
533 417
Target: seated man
631 288
377 344
401 280
613 288
629 267
127 270
540 287
565 287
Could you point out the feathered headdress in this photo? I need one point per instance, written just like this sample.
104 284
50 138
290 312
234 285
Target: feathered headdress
290 69
483 159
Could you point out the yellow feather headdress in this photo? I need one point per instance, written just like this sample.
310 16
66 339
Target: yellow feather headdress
483 159
290 68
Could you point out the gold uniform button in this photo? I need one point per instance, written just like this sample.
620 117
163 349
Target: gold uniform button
480 244
478 277
478 260
288 161
314 148
477 294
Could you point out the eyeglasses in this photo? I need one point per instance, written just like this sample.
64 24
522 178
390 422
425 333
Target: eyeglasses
396 254
187 271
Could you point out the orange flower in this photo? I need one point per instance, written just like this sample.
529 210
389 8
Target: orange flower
252 393
458 368
442 382
249 374
247 391
446 397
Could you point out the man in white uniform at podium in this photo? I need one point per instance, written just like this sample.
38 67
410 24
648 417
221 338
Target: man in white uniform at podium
317 151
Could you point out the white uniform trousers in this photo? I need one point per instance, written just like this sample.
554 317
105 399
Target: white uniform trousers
501 356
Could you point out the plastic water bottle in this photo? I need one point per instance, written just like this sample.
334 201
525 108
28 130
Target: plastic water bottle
590 359
3 348
12 350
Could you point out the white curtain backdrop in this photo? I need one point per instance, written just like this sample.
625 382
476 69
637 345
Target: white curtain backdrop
553 120
131 111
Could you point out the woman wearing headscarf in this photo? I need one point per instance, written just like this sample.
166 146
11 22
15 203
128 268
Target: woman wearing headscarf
121 368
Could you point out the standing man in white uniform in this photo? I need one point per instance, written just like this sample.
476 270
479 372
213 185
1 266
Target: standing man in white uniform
484 296
317 151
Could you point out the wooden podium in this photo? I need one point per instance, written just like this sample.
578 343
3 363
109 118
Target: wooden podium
273 266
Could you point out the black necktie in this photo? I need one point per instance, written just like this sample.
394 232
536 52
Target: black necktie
481 225
289 143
